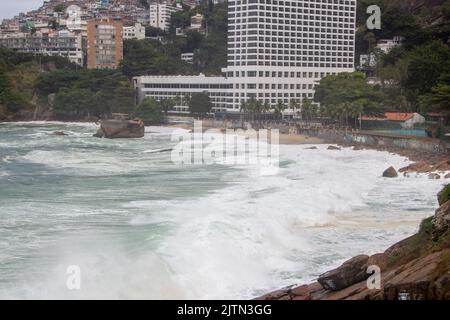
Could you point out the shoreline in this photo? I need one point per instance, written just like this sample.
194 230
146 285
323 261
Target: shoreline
425 162
422 161
415 268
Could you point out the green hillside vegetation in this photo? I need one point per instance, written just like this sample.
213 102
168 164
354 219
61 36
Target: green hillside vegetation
152 57
414 77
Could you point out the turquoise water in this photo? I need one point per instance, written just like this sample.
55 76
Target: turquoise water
404 132
141 226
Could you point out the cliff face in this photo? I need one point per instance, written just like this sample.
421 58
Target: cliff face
416 268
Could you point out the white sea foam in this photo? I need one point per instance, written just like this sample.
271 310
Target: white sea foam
219 231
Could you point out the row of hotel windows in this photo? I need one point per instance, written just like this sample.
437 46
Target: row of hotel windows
323 52
188 86
284 58
274 86
312 15
294 32
282 46
306 28
279 74
293 3
262 7
287 44
290 64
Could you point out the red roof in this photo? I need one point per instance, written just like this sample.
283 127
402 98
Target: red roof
398 116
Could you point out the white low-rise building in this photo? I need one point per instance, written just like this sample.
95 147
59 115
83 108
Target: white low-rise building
180 87
54 43
386 45
188 57
134 32
161 13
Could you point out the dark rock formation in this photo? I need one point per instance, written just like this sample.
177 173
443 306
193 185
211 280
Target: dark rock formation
434 176
390 173
441 221
311 148
113 129
58 133
351 272
333 148
420 167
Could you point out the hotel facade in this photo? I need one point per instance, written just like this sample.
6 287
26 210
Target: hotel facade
277 51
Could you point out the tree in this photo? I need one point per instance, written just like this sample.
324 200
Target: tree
168 104
200 104
59 8
426 64
150 111
278 110
308 110
346 95
294 105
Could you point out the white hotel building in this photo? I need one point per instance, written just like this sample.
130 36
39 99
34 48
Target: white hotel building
277 51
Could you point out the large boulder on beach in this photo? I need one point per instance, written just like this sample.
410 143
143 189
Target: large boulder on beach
113 129
390 173
351 272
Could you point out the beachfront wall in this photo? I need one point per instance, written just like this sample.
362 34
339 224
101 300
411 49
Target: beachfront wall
380 140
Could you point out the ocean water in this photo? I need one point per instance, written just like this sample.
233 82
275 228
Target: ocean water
142 227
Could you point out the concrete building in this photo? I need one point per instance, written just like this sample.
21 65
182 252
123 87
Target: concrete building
160 14
134 32
197 23
178 87
188 57
104 43
279 50
386 45
52 43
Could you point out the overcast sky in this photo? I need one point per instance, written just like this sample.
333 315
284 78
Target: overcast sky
9 8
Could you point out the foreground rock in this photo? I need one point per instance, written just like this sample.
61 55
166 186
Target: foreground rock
58 133
425 167
333 148
114 129
351 272
416 268
390 173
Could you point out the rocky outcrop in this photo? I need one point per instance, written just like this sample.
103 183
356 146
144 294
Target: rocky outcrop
113 129
58 133
434 176
390 173
416 268
419 167
425 167
441 220
351 272
333 148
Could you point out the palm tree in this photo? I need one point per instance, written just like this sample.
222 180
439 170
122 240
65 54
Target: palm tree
279 108
294 104
307 109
